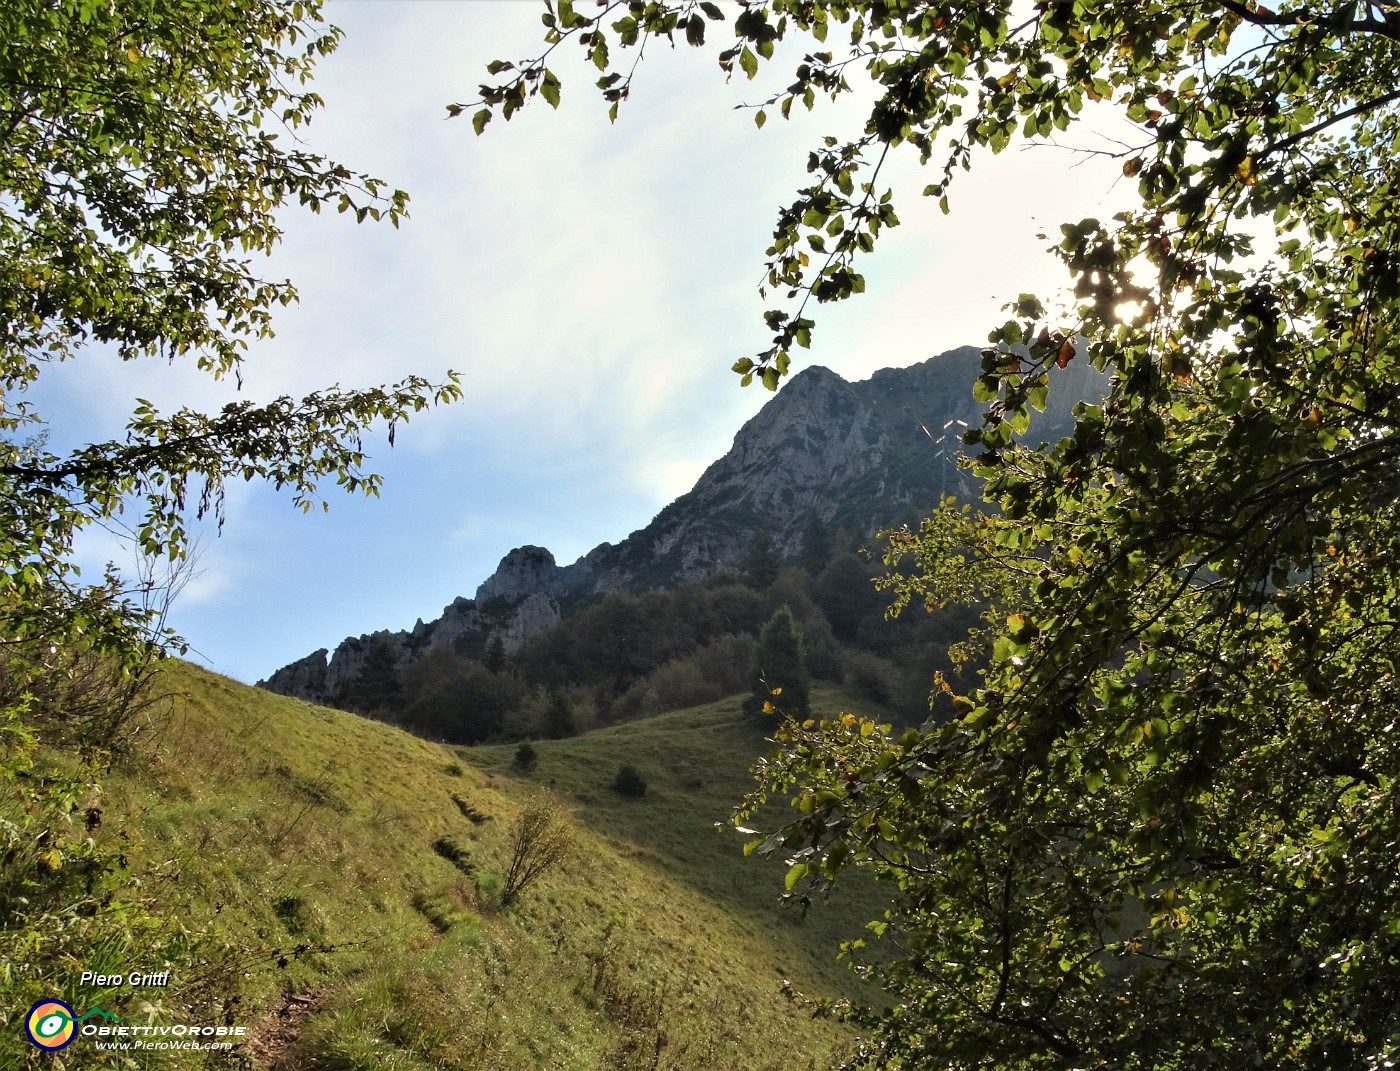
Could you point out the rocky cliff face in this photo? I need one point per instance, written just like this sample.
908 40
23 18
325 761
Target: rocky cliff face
466 627
859 455
305 678
523 571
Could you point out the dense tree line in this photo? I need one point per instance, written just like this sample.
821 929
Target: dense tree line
627 655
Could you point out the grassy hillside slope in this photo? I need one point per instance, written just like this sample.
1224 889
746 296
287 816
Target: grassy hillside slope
696 766
352 874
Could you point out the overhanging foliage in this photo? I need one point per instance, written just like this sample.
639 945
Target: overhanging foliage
144 153
1162 831
141 173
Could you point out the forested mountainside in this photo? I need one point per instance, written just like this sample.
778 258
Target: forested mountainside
808 481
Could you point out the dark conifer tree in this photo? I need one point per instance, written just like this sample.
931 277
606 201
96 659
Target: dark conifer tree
495 660
760 565
779 672
558 716
816 544
377 686
846 594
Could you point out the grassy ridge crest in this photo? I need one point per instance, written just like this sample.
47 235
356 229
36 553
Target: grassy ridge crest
351 874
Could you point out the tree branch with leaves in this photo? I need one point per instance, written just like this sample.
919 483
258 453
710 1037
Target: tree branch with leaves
1160 829
141 171
146 149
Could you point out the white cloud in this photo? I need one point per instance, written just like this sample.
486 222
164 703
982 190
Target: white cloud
592 282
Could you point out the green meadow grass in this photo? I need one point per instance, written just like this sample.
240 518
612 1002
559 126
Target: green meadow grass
352 873
697 764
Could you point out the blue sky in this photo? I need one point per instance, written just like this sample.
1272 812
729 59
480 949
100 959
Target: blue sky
592 283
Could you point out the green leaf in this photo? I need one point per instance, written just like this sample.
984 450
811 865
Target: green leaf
748 62
795 874
549 89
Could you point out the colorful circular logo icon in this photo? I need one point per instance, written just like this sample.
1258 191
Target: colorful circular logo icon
49 1024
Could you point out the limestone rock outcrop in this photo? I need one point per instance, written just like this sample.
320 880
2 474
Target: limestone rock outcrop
464 627
860 456
523 571
304 678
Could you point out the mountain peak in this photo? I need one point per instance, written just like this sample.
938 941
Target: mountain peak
813 373
861 456
522 571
